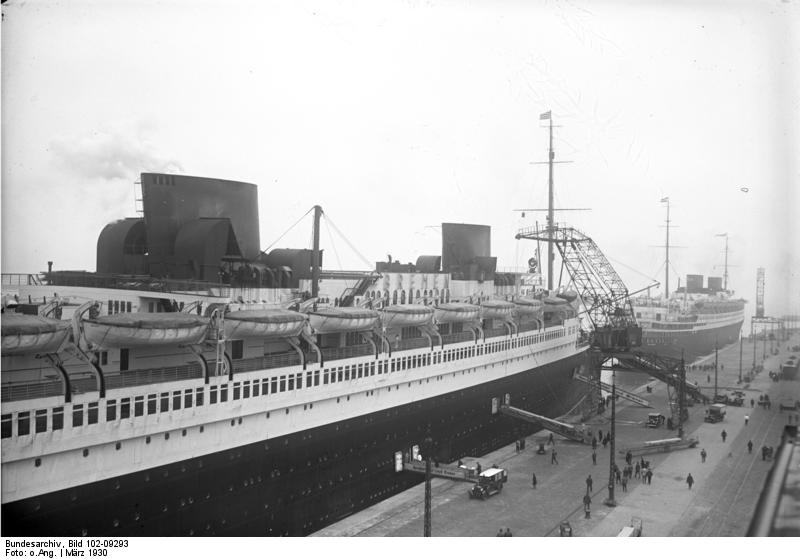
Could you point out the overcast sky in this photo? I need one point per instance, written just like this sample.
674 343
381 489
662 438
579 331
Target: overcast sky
396 116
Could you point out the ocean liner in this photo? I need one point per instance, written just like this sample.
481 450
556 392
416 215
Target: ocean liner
692 321
195 385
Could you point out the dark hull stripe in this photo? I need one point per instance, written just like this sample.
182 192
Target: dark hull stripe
693 344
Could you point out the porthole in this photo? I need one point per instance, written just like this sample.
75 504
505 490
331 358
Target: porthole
183 433
202 428
85 452
240 421
233 422
147 440
37 462
166 436
118 445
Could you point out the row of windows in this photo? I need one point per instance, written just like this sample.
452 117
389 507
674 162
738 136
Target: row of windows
151 404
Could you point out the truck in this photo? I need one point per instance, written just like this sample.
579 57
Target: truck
715 413
490 481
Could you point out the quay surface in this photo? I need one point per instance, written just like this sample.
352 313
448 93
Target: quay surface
721 502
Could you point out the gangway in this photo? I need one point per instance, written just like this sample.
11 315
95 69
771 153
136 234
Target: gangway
663 445
665 369
567 430
456 473
620 392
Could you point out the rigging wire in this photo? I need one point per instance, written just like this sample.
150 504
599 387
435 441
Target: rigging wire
333 245
287 231
353 248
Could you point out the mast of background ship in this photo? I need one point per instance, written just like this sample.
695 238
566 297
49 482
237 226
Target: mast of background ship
315 253
550 225
666 268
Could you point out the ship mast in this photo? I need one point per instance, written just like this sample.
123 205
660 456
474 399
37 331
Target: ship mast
666 246
315 253
550 224
725 275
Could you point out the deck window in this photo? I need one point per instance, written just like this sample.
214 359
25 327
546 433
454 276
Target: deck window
237 349
23 423
347 372
176 400
58 418
5 426
77 415
316 378
212 395
264 387
124 356
138 406
223 393
199 397
187 398
339 373
274 385
246 389
164 402
237 390
282 384
41 421
325 377
124 408
92 413
152 404
256 385
299 380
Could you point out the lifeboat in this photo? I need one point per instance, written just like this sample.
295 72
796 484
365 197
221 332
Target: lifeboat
527 307
406 315
145 329
569 296
264 323
26 333
342 319
496 309
553 302
456 312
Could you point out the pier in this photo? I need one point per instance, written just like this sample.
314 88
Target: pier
722 501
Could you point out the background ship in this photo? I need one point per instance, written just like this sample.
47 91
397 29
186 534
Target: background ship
693 320
195 385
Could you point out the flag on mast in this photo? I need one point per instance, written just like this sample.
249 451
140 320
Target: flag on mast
545 116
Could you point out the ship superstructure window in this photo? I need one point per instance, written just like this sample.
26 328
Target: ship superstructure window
274 385
199 397
164 406
237 390
176 400
92 413
187 398
237 349
40 425
212 395
23 423
138 406
283 384
124 408
5 426
152 404
111 410
246 389
77 415
123 359
58 419
223 393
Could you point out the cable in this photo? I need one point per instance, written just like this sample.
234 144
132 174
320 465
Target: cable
353 248
287 231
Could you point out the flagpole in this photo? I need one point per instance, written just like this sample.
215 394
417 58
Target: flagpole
550 223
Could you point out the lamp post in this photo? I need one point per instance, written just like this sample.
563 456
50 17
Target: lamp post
716 367
740 357
428 446
611 501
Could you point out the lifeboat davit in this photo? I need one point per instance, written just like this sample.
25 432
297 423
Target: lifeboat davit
342 319
145 329
456 312
527 307
263 323
406 315
496 309
27 333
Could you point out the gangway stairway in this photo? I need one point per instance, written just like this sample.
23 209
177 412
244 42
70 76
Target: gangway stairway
665 369
567 430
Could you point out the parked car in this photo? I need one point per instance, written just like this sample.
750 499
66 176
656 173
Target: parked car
489 482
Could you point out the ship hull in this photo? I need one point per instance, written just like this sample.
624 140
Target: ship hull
690 344
300 483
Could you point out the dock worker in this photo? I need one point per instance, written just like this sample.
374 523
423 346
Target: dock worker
587 505
749 447
589 483
724 435
689 481
553 457
594 458
533 480
550 440
746 419
703 455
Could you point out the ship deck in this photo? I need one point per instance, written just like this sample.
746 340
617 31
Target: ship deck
721 503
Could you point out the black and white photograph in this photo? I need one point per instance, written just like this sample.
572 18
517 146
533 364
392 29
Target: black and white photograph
347 269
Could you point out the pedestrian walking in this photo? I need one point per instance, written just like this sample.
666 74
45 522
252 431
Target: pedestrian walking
628 457
600 434
703 455
594 443
553 457
764 452
752 403
589 483
746 419
533 480
617 476
749 447
516 445
638 470
625 484
594 458
587 506
649 476
708 378
605 442
689 481
724 435
550 440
